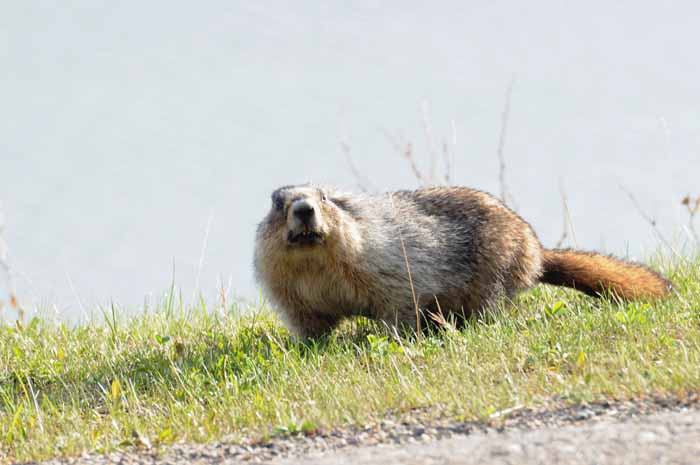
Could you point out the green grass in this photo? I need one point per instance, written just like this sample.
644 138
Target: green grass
189 374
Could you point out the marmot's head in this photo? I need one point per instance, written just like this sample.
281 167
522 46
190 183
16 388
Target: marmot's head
298 216
304 221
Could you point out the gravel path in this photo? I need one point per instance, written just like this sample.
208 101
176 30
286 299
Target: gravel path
667 438
660 431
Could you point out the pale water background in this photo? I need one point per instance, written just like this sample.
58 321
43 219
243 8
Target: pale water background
127 127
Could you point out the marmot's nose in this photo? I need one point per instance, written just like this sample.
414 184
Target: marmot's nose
303 210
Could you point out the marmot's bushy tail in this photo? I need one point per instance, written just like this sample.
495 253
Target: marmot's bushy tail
597 274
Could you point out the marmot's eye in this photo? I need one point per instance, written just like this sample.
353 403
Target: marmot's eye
323 197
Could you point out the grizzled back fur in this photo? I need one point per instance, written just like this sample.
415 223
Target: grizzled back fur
464 247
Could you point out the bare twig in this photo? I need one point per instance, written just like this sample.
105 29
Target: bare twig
406 151
647 218
505 116
651 221
362 182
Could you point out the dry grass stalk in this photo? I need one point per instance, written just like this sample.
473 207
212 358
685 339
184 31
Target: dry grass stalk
692 205
410 277
505 116
568 223
13 303
202 254
223 295
447 155
427 129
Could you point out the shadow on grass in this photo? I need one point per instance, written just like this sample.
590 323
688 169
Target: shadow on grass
178 365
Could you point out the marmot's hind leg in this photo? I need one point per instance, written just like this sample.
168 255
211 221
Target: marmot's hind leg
306 325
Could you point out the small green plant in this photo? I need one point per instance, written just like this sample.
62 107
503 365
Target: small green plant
556 309
381 346
306 427
633 314
162 340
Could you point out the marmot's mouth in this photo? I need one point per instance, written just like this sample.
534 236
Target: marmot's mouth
304 238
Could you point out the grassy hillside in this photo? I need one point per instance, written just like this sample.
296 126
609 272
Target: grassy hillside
185 373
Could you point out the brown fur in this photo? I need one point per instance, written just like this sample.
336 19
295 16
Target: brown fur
465 250
596 274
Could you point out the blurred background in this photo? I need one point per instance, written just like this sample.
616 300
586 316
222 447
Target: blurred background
141 140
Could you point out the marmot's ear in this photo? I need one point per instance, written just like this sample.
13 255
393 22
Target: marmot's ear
277 200
343 203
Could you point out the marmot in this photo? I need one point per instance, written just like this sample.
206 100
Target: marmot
323 255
